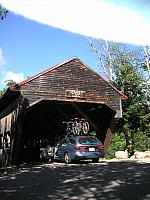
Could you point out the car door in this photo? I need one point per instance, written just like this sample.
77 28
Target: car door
62 148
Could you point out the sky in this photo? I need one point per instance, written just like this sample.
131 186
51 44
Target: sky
37 34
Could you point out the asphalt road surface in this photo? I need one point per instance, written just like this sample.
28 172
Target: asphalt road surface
121 180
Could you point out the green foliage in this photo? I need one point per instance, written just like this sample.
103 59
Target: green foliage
130 77
9 83
136 116
118 143
142 141
2 92
3 12
93 133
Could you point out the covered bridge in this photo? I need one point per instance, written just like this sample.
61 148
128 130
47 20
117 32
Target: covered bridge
35 108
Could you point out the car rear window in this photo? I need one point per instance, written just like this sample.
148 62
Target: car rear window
88 141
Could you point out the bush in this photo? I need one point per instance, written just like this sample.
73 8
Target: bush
142 142
117 144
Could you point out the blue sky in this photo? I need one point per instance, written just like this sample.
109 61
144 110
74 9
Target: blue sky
38 34
29 47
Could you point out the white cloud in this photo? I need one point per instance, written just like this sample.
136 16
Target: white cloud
6 75
2 59
95 18
17 77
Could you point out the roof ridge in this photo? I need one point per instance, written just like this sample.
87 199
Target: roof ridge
60 64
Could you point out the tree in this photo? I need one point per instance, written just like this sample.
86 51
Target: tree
103 51
136 113
123 67
3 12
111 55
117 54
147 59
1 93
8 84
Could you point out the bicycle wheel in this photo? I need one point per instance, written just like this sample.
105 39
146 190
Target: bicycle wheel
85 127
76 128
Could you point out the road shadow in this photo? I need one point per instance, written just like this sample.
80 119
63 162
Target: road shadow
122 180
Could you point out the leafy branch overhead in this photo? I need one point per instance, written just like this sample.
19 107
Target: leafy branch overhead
111 55
3 12
9 83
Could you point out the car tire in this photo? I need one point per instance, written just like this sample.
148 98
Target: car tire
67 158
95 160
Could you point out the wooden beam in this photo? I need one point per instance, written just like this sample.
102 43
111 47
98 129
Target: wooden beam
10 108
109 134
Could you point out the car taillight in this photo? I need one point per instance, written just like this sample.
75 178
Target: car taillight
83 148
76 148
100 147
80 148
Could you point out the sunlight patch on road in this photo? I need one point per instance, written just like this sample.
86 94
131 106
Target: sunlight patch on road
112 185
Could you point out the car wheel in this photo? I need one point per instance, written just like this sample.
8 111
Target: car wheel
95 160
67 158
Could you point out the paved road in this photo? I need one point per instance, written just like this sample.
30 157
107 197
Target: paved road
123 180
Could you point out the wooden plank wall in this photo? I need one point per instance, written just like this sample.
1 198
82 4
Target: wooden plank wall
11 131
71 76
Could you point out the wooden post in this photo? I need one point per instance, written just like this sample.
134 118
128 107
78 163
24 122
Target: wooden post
18 131
108 134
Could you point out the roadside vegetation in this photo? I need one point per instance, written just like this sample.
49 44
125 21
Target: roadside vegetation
127 68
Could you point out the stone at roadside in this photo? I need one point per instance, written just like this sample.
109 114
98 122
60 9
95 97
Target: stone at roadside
121 154
139 154
147 154
132 157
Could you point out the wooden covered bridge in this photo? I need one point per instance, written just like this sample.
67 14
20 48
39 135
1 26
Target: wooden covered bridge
35 108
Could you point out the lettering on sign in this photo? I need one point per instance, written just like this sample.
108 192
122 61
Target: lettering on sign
76 93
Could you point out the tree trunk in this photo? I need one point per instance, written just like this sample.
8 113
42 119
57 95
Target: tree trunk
129 143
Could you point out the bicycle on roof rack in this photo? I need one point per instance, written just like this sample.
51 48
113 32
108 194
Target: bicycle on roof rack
77 126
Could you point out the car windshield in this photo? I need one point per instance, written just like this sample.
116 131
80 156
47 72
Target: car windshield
88 141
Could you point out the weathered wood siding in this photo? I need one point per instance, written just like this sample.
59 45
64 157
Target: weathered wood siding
71 76
11 119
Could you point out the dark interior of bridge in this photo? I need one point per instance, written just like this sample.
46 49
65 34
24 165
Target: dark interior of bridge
44 122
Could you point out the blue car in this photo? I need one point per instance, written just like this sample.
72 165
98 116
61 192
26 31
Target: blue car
78 148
